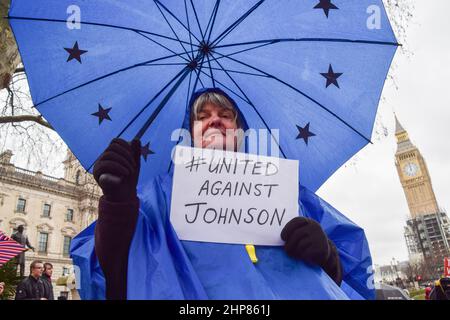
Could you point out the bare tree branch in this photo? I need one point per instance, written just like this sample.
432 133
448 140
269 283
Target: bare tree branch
25 118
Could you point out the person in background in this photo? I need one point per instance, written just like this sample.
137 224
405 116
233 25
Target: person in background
427 292
47 278
441 290
33 287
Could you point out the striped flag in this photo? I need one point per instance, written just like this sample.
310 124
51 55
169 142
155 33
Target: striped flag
8 248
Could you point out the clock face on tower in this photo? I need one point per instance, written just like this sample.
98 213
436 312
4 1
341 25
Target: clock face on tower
410 169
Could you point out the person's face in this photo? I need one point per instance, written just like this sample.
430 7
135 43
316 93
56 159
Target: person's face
2 287
215 128
48 271
37 270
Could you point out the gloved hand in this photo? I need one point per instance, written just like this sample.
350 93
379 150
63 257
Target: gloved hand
122 160
306 240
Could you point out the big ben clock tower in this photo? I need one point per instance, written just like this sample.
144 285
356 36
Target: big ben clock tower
427 231
414 175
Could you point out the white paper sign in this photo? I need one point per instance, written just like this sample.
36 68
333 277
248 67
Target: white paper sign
230 197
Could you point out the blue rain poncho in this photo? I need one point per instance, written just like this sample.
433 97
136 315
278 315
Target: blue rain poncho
160 266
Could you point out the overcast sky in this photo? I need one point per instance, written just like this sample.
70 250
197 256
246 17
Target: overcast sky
369 191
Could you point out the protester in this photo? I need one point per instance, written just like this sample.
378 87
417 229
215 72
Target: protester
427 292
47 278
441 290
33 287
325 255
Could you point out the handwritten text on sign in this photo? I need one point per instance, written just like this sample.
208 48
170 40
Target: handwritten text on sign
229 197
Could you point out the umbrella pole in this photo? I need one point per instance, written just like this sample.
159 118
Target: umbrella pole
155 113
113 180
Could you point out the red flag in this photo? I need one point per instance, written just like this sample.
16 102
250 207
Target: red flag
8 248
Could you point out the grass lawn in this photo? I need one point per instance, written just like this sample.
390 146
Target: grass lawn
418 294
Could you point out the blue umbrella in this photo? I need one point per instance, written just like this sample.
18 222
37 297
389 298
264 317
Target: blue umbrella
314 69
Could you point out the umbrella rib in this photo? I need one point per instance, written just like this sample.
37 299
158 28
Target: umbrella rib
253 107
226 87
198 21
187 105
189 25
241 72
210 70
215 15
149 103
163 64
104 77
303 94
97 25
182 75
198 76
180 55
170 26
199 79
244 50
189 90
213 19
273 41
143 109
163 103
236 23
176 18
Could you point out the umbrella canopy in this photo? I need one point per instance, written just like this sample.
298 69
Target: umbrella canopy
309 72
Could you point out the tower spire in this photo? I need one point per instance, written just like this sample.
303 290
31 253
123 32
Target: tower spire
403 142
398 126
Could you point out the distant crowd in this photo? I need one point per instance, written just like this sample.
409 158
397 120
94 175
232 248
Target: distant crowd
37 286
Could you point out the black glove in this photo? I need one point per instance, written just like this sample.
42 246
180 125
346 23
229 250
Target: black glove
306 240
122 160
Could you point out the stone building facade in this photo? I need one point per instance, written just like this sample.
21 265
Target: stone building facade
52 211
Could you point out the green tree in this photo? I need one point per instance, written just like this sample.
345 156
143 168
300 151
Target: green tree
8 275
